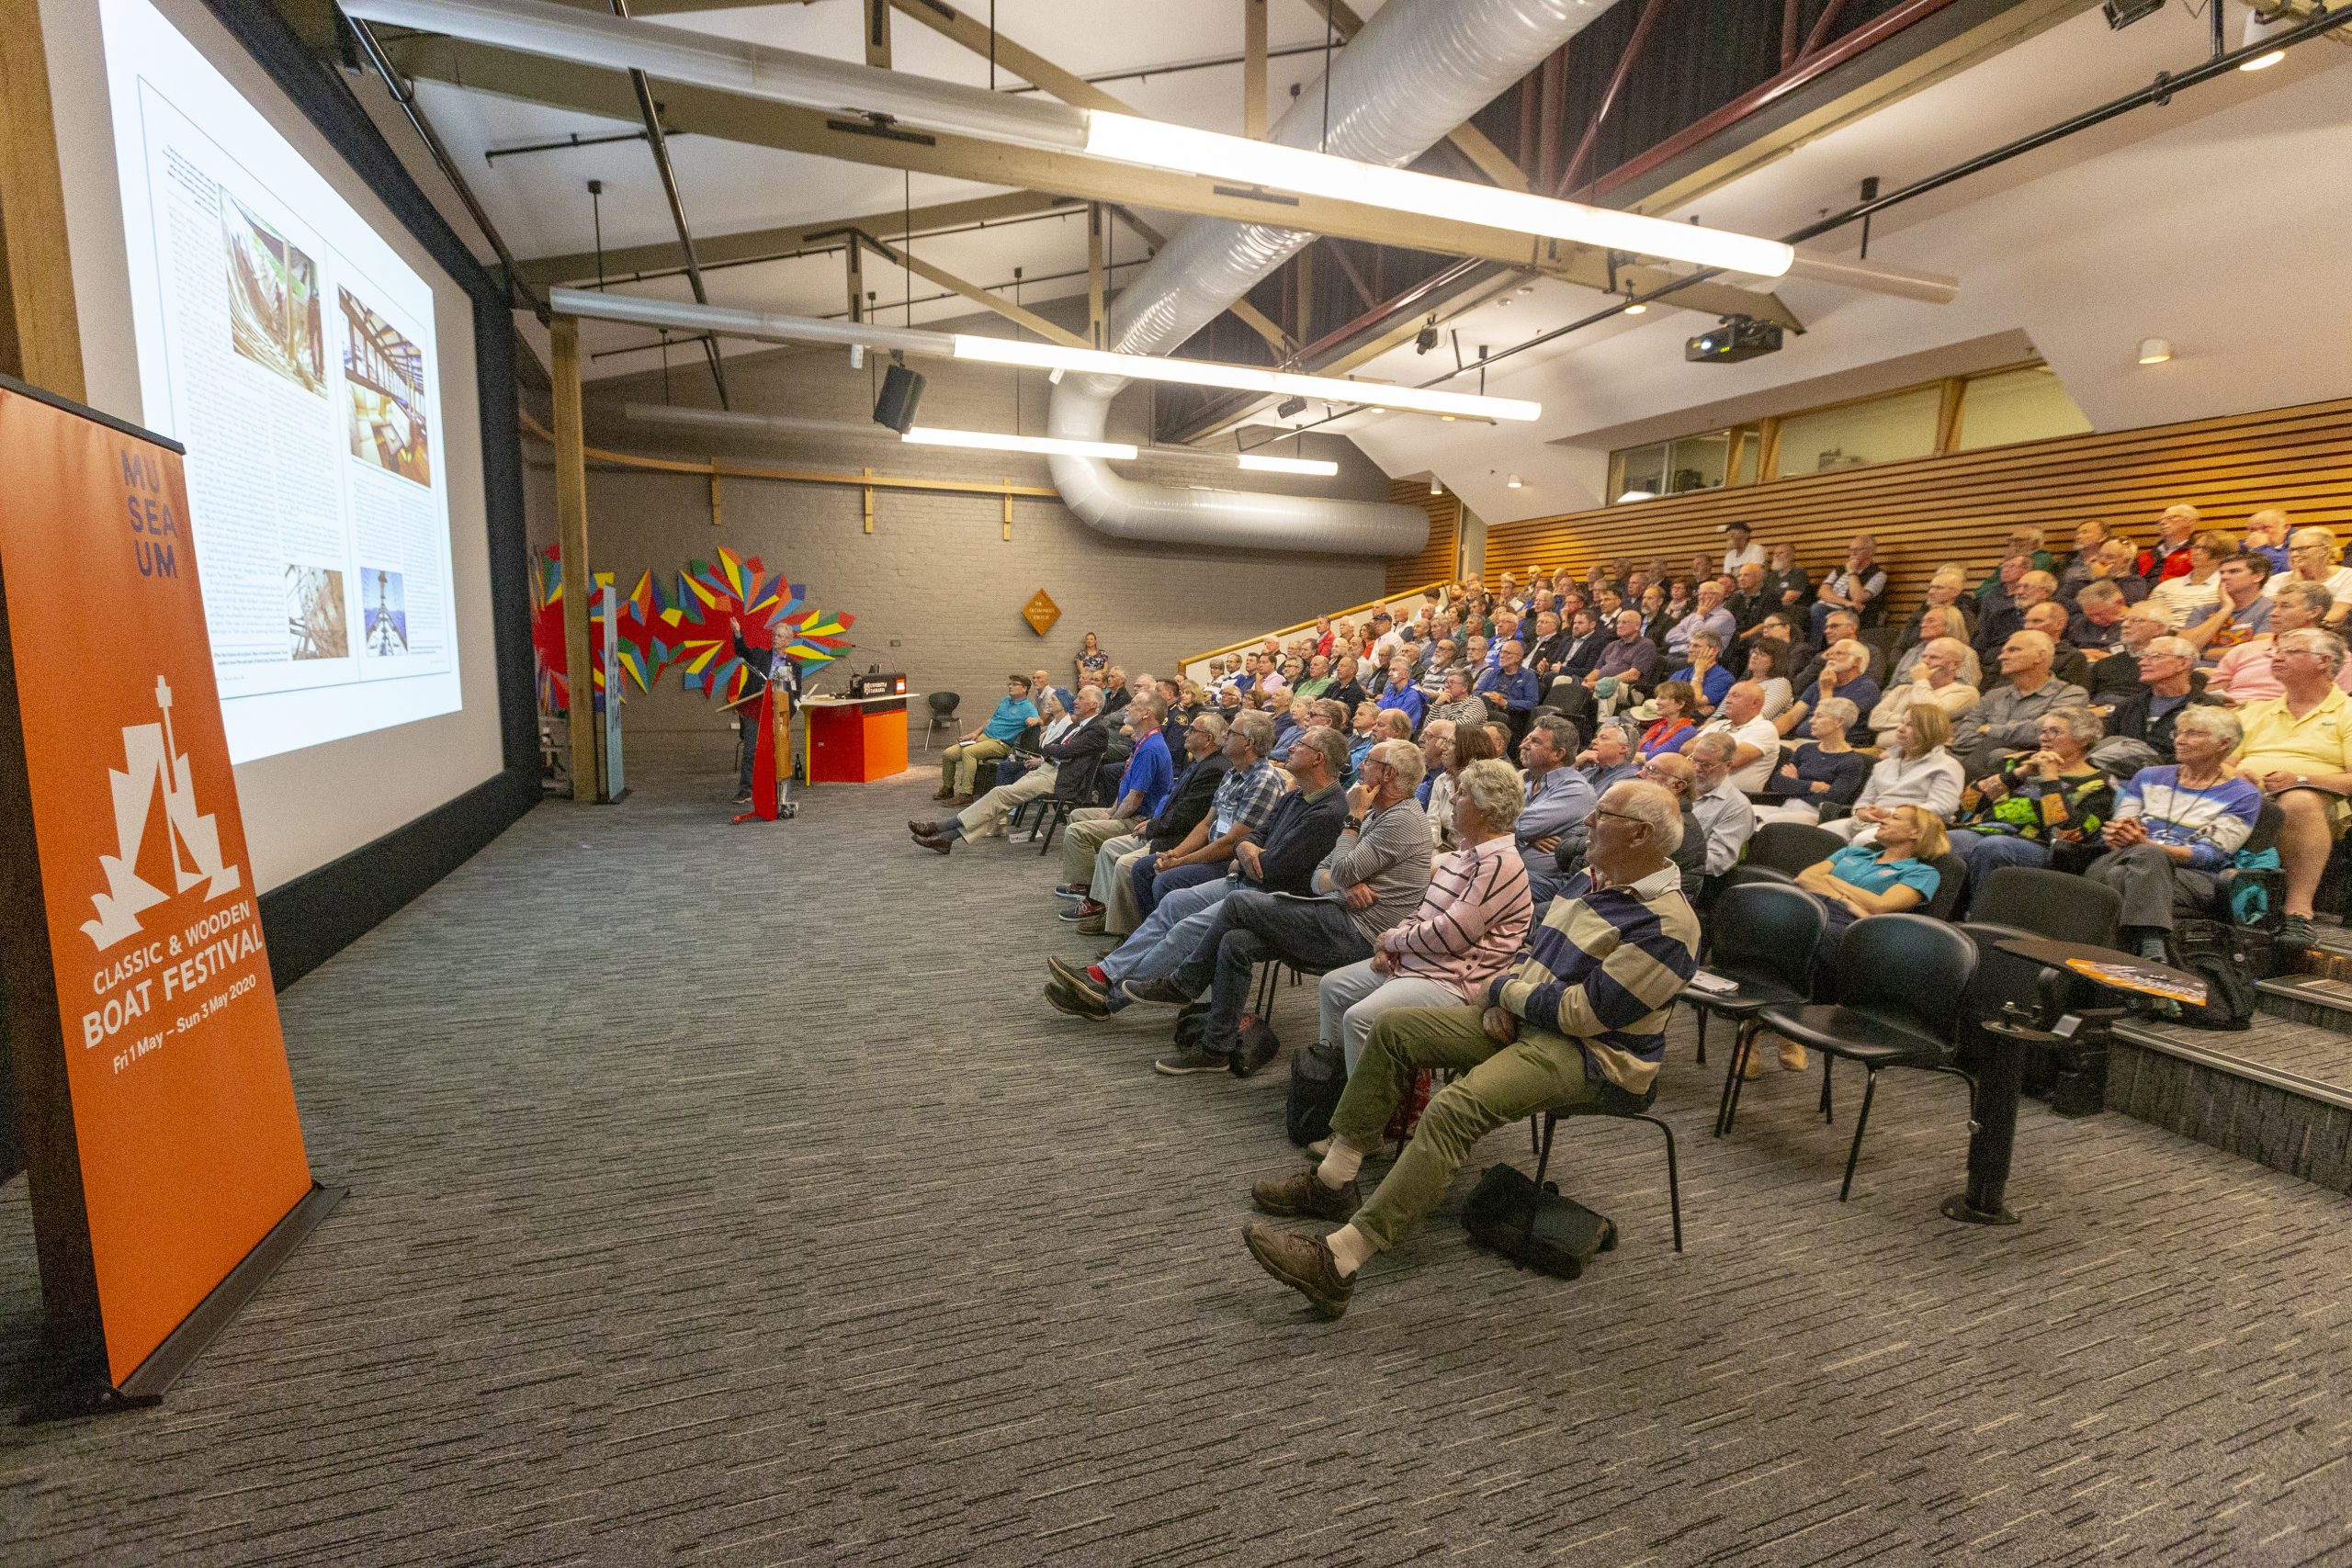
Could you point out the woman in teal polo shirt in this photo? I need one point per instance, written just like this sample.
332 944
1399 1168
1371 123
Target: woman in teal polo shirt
1888 878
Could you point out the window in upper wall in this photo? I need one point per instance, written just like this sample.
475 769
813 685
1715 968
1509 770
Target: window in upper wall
1873 430
2007 406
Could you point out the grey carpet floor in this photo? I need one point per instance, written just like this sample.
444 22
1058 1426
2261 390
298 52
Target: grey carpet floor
730 1194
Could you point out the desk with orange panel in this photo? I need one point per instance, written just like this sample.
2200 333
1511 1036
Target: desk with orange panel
856 739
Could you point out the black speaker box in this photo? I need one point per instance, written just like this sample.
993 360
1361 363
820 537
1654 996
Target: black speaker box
902 392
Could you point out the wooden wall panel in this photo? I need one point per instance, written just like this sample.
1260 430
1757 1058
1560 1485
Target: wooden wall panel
1435 561
1962 507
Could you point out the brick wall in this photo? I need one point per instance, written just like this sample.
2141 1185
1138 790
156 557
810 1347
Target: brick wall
936 591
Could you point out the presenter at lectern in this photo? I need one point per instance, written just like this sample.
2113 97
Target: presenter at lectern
764 664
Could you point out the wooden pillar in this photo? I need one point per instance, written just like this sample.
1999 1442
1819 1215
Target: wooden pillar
1097 279
1253 69
40 335
571 529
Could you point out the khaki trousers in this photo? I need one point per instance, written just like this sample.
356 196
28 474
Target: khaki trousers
1089 829
959 765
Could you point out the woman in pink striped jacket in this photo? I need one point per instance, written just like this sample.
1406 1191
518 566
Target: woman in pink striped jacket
1469 927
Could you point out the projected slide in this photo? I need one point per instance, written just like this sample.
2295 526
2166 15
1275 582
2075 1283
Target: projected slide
291 350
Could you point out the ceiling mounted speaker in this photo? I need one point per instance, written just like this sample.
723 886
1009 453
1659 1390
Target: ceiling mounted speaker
901 393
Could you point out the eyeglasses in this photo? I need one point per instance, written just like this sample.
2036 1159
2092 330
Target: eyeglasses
1619 815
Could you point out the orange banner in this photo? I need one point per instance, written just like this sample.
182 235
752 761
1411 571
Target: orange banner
182 1109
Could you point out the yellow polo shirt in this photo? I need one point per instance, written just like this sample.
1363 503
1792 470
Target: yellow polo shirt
2276 741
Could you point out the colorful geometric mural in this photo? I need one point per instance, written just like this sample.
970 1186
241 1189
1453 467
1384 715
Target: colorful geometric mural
692 629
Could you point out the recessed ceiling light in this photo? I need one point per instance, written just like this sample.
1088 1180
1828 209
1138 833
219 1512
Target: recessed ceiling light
1513 483
2154 351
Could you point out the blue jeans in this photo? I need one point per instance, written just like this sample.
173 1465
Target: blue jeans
1986 853
1249 927
1166 936
1151 886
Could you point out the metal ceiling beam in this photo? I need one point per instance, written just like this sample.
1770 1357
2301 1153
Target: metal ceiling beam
1026 63
1028 319
1469 139
659 145
590 90
763 244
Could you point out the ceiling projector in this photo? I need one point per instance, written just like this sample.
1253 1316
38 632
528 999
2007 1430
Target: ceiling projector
1734 338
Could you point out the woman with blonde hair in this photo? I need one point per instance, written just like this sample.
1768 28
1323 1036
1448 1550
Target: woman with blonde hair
1916 770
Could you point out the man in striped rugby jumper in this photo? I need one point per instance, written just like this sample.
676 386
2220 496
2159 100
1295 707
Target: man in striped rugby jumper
1586 1009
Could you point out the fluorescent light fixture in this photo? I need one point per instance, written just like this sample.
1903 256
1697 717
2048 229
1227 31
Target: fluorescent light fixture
1158 144
2154 351
1320 467
988 441
1239 377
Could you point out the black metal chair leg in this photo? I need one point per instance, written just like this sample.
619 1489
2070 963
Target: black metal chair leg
1702 1034
1536 1195
1869 1088
1828 1061
1724 1106
1673 1177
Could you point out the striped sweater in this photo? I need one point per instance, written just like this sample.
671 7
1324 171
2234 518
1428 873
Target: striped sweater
1603 970
1470 922
2211 823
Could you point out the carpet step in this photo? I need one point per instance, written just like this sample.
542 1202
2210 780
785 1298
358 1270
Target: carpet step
2279 1094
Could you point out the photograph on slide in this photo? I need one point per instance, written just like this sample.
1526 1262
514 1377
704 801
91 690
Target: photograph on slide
316 627
273 298
384 600
385 375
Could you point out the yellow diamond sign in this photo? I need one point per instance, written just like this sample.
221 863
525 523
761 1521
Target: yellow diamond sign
1041 613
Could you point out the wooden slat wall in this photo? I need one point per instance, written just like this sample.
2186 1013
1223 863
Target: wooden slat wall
1962 507
1434 563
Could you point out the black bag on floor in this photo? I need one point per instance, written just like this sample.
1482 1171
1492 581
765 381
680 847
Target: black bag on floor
1567 1235
2221 955
1192 1022
1319 1074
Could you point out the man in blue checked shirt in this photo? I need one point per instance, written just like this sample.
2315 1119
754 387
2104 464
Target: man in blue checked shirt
1511 690
1558 798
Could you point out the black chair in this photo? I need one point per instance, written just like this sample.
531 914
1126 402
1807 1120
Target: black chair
943 711
1073 787
1951 881
1618 1105
1762 938
2024 901
1903 981
1790 847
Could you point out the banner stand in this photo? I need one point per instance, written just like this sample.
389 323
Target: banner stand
164 1153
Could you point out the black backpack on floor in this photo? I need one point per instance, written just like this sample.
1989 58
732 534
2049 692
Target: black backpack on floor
2225 957
1318 1076
1566 1236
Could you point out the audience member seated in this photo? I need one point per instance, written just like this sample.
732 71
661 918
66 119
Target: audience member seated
1463 746
1674 774
1318 681
1586 1008
1455 704
2297 747
1279 857
1100 880
1673 722
1726 814
1756 741
1345 688
2244 674
1609 759
1375 876
1707 676
1752 598
2066 661
2170 684
1892 873
1767 666
2008 717
2003 620
1078 743
1947 595
2052 795
2075 571
1401 694
1827 772
1630 661
1509 690
1931 673
2097 624
1445 659
1859 585
959 764
2168 556
1789 584
2266 536
2189 597
2117 676
1843 672
2311 557
2113 566
1244 800
2173 827
1707 614
2243 611
1916 770
1557 800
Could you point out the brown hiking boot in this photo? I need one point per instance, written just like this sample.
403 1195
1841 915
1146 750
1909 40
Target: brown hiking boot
1302 1262
1301 1195
944 795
